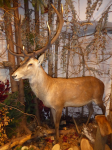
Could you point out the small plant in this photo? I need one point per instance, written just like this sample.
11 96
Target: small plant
15 113
4 121
4 90
18 148
9 118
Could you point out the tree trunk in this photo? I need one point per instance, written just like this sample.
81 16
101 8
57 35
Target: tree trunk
83 61
9 38
50 59
50 54
57 43
68 56
36 100
27 18
19 43
110 114
36 18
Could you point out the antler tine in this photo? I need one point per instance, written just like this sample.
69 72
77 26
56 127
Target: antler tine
24 51
22 48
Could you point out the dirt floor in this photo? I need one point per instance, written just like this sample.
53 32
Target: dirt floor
43 137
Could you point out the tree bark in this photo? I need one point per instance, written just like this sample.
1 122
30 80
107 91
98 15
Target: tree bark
68 56
100 141
19 43
57 43
50 59
37 113
36 18
110 115
9 38
50 56
27 18
83 61
36 100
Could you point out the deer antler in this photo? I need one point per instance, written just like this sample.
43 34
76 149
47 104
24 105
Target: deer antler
25 54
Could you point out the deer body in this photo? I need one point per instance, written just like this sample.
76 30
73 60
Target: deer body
77 92
57 93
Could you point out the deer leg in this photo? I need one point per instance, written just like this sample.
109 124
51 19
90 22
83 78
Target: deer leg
58 117
90 107
53 114
101 105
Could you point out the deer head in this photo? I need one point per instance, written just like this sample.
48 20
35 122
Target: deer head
27 68
30 62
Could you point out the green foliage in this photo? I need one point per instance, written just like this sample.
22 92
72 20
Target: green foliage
29 96
40 3
7 3
14 113
12 100
31 38
31 148
18 148
16 108
4 121
1 3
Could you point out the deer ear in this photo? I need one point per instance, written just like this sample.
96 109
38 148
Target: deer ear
41 59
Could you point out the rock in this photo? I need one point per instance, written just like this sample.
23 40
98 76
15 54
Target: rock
56 147
24 148
76 148
33 147
70 149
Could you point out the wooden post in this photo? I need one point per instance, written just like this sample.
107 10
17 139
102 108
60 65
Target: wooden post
100 141
110 114
85 145
68 56
103 130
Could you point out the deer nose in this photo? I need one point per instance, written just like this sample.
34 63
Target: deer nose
14 76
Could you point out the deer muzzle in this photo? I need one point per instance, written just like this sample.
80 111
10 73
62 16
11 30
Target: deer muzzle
14 76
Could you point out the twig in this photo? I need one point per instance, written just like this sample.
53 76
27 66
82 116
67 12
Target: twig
20 111
76 125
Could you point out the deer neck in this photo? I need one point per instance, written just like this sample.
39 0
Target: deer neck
40 83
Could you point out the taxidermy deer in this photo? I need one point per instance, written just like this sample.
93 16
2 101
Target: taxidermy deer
57 93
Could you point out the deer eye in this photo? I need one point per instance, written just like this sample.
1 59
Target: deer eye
30 64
